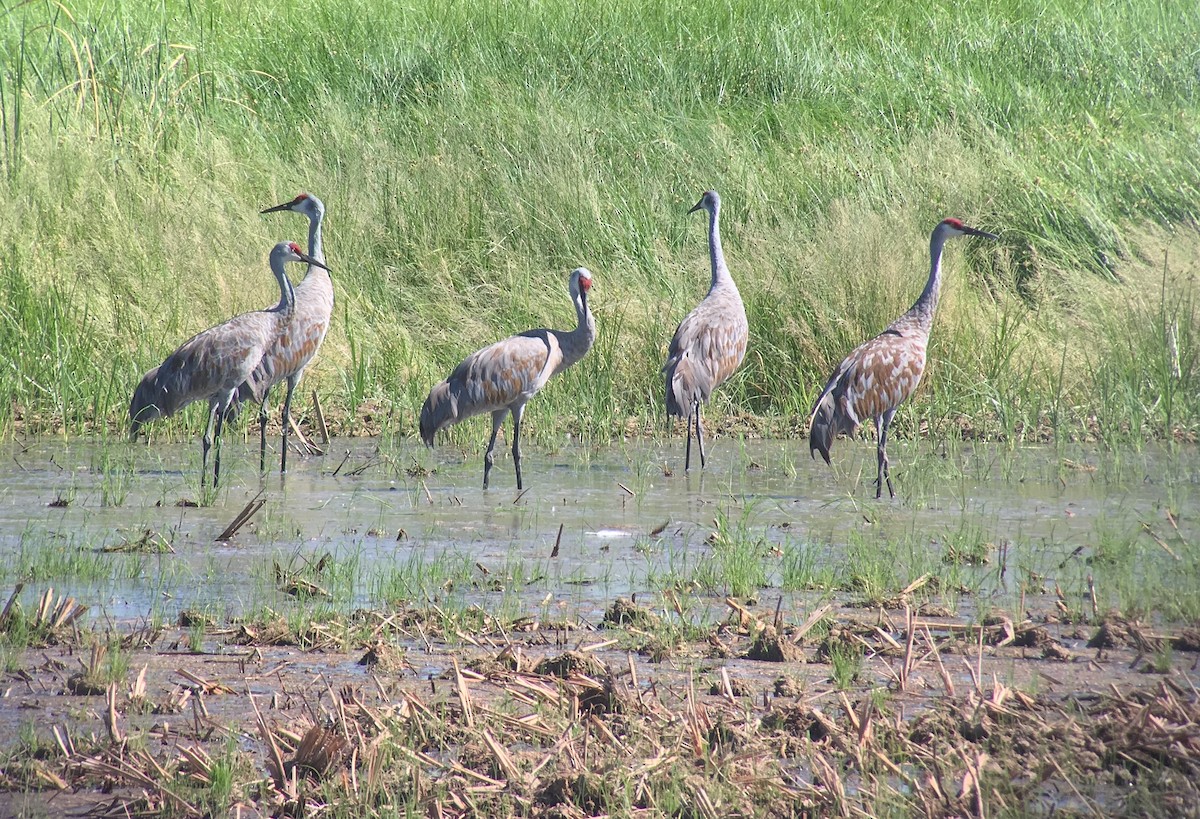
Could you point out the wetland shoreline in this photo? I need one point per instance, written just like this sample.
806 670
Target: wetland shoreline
1015 635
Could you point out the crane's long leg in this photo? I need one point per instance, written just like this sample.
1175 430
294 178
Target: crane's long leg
687 463
517 412
699 435
263 417
217 458
287 420
488 457
883 473
206 443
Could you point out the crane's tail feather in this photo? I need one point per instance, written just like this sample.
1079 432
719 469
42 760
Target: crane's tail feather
440 410
820 438
266 375
827 422
681 392
249 390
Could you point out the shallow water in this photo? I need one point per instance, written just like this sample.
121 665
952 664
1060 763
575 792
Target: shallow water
404 523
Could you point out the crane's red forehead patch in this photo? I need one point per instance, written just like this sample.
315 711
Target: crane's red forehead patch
295 248
301 197
585 282
954 223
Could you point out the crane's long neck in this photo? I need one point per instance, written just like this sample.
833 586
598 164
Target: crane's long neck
287 295
926 304
576 343
720 273
316 279
314 237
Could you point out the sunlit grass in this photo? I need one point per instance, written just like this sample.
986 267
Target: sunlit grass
469 158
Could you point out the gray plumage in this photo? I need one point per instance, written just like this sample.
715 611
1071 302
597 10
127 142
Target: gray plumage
710 343
211 364
501 378
286 359
881 373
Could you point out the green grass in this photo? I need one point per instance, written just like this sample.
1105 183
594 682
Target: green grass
43 556
419 579
737 559
470 156
846 663
803 569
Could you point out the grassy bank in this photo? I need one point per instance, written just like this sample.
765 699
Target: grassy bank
470 156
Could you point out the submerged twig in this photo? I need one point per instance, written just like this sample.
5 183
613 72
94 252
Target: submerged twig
243 517
815 617
1162 543
374 460
304 447
12 601
338 469
321 425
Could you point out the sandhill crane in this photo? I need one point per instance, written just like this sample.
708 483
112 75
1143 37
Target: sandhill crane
501 378
879 374
710 343
287 358
212 364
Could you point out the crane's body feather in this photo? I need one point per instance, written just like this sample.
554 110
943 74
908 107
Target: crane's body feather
710 343
502 377
494 378
876 377
210 364
881 373
706 350
292 351
213 363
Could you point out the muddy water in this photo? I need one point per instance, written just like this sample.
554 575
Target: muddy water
623 523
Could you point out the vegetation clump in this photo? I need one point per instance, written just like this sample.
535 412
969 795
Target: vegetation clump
383 658
770 646
570 664
1188 639
624 612
1116 630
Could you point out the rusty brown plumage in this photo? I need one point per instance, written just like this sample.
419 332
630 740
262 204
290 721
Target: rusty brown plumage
881 373
502 377
213 363
710 342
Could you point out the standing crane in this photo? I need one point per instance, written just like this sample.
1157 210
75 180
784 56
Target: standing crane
213 363
710 343
879 374
287 358
501 378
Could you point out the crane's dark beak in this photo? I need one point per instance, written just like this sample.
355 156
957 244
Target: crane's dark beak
304 257
698 206
976 232
277 208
